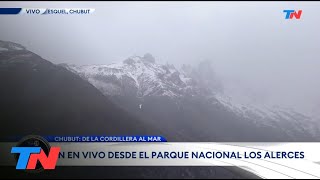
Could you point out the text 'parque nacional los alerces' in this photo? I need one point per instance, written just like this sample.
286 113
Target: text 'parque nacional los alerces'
181 155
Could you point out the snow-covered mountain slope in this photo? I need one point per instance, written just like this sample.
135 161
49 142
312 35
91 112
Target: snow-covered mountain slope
10 46
139 76
142 77
272 116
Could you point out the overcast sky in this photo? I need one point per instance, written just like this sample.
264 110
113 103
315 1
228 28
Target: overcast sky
252 45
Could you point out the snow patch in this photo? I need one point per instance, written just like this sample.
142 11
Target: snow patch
16 48
3 49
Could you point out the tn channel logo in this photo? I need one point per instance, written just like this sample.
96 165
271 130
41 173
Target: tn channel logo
292 13
35 153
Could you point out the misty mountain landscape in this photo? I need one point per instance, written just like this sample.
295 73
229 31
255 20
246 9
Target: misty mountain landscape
191 102
136 96
39 97
195 71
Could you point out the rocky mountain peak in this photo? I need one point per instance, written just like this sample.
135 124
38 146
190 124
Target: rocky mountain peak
149 58
146 59
142 76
